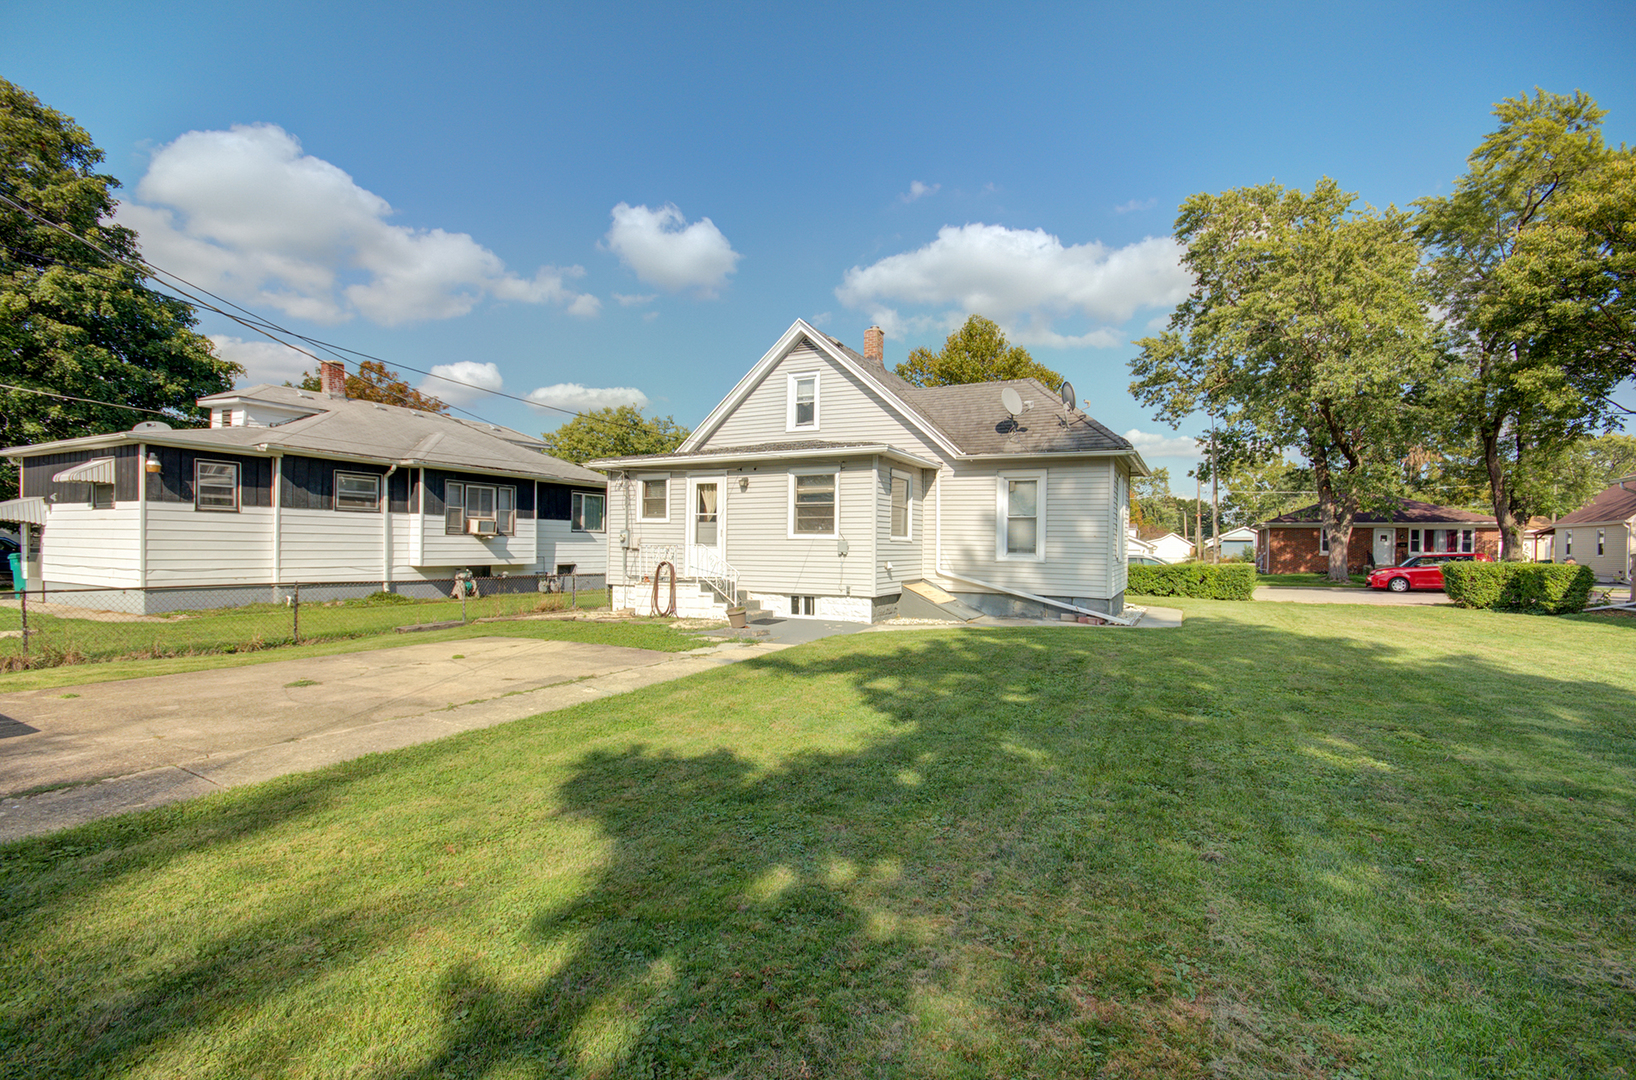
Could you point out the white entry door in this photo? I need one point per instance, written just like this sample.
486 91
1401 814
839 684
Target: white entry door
706 524
1385 547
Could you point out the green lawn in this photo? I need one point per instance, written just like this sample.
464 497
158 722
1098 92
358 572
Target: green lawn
57 639
1310 580
1283 840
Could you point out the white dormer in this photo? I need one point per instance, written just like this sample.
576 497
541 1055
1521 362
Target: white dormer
262 406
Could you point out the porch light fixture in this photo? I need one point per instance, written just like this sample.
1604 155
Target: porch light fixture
152 464
744 483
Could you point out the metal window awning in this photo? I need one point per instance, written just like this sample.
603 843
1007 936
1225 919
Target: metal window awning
96 471
28 511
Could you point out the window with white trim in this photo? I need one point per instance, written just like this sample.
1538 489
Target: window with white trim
1020 516
655 495
358 492
813 503
464 503
587 511
215 485
1601 541
1323 540
902 499
1568 544
803 402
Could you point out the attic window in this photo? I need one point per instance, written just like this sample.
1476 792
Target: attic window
803 402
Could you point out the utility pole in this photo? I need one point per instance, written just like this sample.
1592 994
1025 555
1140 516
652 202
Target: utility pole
1215 503
1198 511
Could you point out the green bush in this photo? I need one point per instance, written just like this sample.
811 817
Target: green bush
1224 581
1538 588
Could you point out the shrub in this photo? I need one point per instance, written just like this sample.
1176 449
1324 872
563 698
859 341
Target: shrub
1224 581
1537 588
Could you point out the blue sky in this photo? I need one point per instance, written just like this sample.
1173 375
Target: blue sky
594 203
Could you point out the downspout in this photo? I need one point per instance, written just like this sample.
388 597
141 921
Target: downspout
386 529
141 515
278 520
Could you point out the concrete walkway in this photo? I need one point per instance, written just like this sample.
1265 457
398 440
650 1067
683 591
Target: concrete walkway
109 748
1340 594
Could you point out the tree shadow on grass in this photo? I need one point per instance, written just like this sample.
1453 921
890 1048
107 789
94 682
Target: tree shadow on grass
996 853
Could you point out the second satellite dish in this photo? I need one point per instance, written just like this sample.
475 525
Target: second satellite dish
1067 393
1012 401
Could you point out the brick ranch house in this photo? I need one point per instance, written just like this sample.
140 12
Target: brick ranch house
1293 543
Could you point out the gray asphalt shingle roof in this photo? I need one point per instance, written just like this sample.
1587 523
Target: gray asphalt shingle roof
1614 503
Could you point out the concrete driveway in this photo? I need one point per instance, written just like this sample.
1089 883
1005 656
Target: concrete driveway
1340 594
107 748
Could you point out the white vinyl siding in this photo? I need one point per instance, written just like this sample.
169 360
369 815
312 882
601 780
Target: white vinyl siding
1078 539
186 548
88 546
847 410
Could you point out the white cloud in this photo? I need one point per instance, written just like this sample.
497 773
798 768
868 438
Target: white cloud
263 361
246 214
462 382
577 398
663 250
917 189
1136 204
1153 444
1018 277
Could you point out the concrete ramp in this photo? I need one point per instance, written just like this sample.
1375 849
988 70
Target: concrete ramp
923 600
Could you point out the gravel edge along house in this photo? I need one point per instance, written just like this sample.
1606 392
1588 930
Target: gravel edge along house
289 485
824 485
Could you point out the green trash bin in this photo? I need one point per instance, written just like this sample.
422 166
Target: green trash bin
18 581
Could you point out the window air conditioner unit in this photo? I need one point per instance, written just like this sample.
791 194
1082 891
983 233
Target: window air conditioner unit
482 527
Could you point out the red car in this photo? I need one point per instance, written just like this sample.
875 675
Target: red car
1420 572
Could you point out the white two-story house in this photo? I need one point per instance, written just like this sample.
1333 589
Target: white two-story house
824 485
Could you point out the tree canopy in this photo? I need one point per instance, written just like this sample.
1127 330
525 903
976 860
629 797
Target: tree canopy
1530 251
374 381
1305 330
977 352
614 432
72 320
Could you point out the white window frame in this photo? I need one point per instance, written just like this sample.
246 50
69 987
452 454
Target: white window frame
198 488
374 506
1601 541
1568 544
576 511
1323 541
795 378
908 533
834 473
450 503
505 520
1002 514
642 483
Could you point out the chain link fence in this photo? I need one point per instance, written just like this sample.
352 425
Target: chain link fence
69 625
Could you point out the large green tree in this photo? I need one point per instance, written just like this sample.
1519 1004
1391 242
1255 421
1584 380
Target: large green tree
74 321
977 352
1528 256
614 432
1305 330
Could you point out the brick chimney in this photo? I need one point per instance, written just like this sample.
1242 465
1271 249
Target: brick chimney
874 345
332 376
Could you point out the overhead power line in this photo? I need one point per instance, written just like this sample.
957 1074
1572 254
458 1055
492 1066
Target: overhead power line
269 329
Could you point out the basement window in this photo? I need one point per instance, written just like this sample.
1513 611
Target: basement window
803 605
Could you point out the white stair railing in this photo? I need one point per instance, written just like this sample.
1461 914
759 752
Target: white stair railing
706 564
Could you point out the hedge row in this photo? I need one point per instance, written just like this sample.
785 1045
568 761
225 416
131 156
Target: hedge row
1540 588
1208 581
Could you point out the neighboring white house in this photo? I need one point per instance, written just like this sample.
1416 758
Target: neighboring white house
1602 533
824 485
1240 541
1170 547
288 485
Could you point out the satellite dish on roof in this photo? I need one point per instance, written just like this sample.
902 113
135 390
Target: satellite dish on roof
1012 401
152 425
1066 392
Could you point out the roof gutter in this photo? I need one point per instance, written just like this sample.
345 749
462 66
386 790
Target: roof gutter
861 450
1050 455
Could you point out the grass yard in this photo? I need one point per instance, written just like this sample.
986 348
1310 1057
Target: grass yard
1284 840
1315 581
55 638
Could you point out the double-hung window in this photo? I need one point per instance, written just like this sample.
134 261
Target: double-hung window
803 402
587 510
813 504
464 503
359 492
215 485
1568 544
1601 541
655 496
902 497
1020 516
1323 541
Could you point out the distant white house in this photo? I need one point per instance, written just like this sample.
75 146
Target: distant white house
1238 542
1167 547
825 485
288 485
